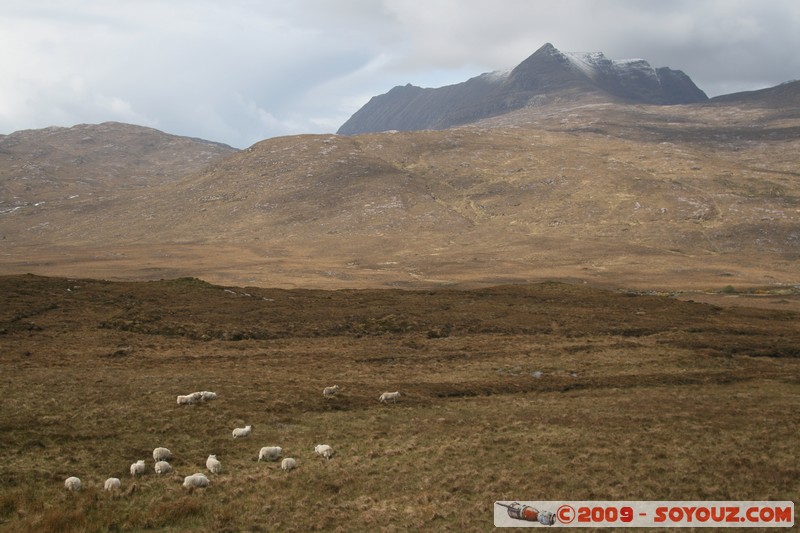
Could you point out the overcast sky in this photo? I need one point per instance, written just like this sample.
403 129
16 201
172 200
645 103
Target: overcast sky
239 71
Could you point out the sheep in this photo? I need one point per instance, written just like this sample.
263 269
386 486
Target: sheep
162 454
206 396
199 396
112 483
163 467
270 453
186 399
213 465
288 464
324 450
137 468
330 392
239 433
195 480
72 483
386 396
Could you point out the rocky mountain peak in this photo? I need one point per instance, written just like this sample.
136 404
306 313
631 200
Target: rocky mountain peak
548 72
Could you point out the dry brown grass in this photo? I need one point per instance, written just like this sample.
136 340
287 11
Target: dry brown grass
657 409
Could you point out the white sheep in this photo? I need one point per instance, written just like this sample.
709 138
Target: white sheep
112 483
195 480
239 433
330 392
137 468
186 399
288 464
324 450
270 453
162 454
72 483
213 465
199 396
163 467
386 396
206 396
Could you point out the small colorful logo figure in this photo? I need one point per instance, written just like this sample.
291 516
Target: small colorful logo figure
529 514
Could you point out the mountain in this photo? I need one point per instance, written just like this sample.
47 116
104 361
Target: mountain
547 75
72 164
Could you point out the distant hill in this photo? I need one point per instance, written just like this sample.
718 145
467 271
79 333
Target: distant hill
547 75
785 96
58 164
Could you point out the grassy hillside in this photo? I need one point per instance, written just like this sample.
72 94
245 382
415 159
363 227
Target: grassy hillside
628 196
640 397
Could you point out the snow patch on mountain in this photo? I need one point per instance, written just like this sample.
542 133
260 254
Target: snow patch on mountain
595 64
497 75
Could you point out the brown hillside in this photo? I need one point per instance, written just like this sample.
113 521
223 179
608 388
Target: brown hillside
649 196
76 168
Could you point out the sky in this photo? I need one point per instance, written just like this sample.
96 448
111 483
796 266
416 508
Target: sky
240 71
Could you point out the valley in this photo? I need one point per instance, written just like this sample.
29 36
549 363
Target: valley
585 296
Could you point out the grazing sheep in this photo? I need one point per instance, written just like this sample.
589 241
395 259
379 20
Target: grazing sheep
72 483
270 453
239 433
206 396
324 450
199 396
137 468
112 483
330 392
163 467
288 463
195 480
186 399
386 396
213 465
162 454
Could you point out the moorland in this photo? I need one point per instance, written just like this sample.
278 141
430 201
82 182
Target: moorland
541 391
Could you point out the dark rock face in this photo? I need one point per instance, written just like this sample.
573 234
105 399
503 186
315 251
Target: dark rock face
546 73
409 108
679 88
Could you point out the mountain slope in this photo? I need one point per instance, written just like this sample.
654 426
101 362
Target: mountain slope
619 194
785 97
547 75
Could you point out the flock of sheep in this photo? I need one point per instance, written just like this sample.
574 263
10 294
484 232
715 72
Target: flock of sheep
162 456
